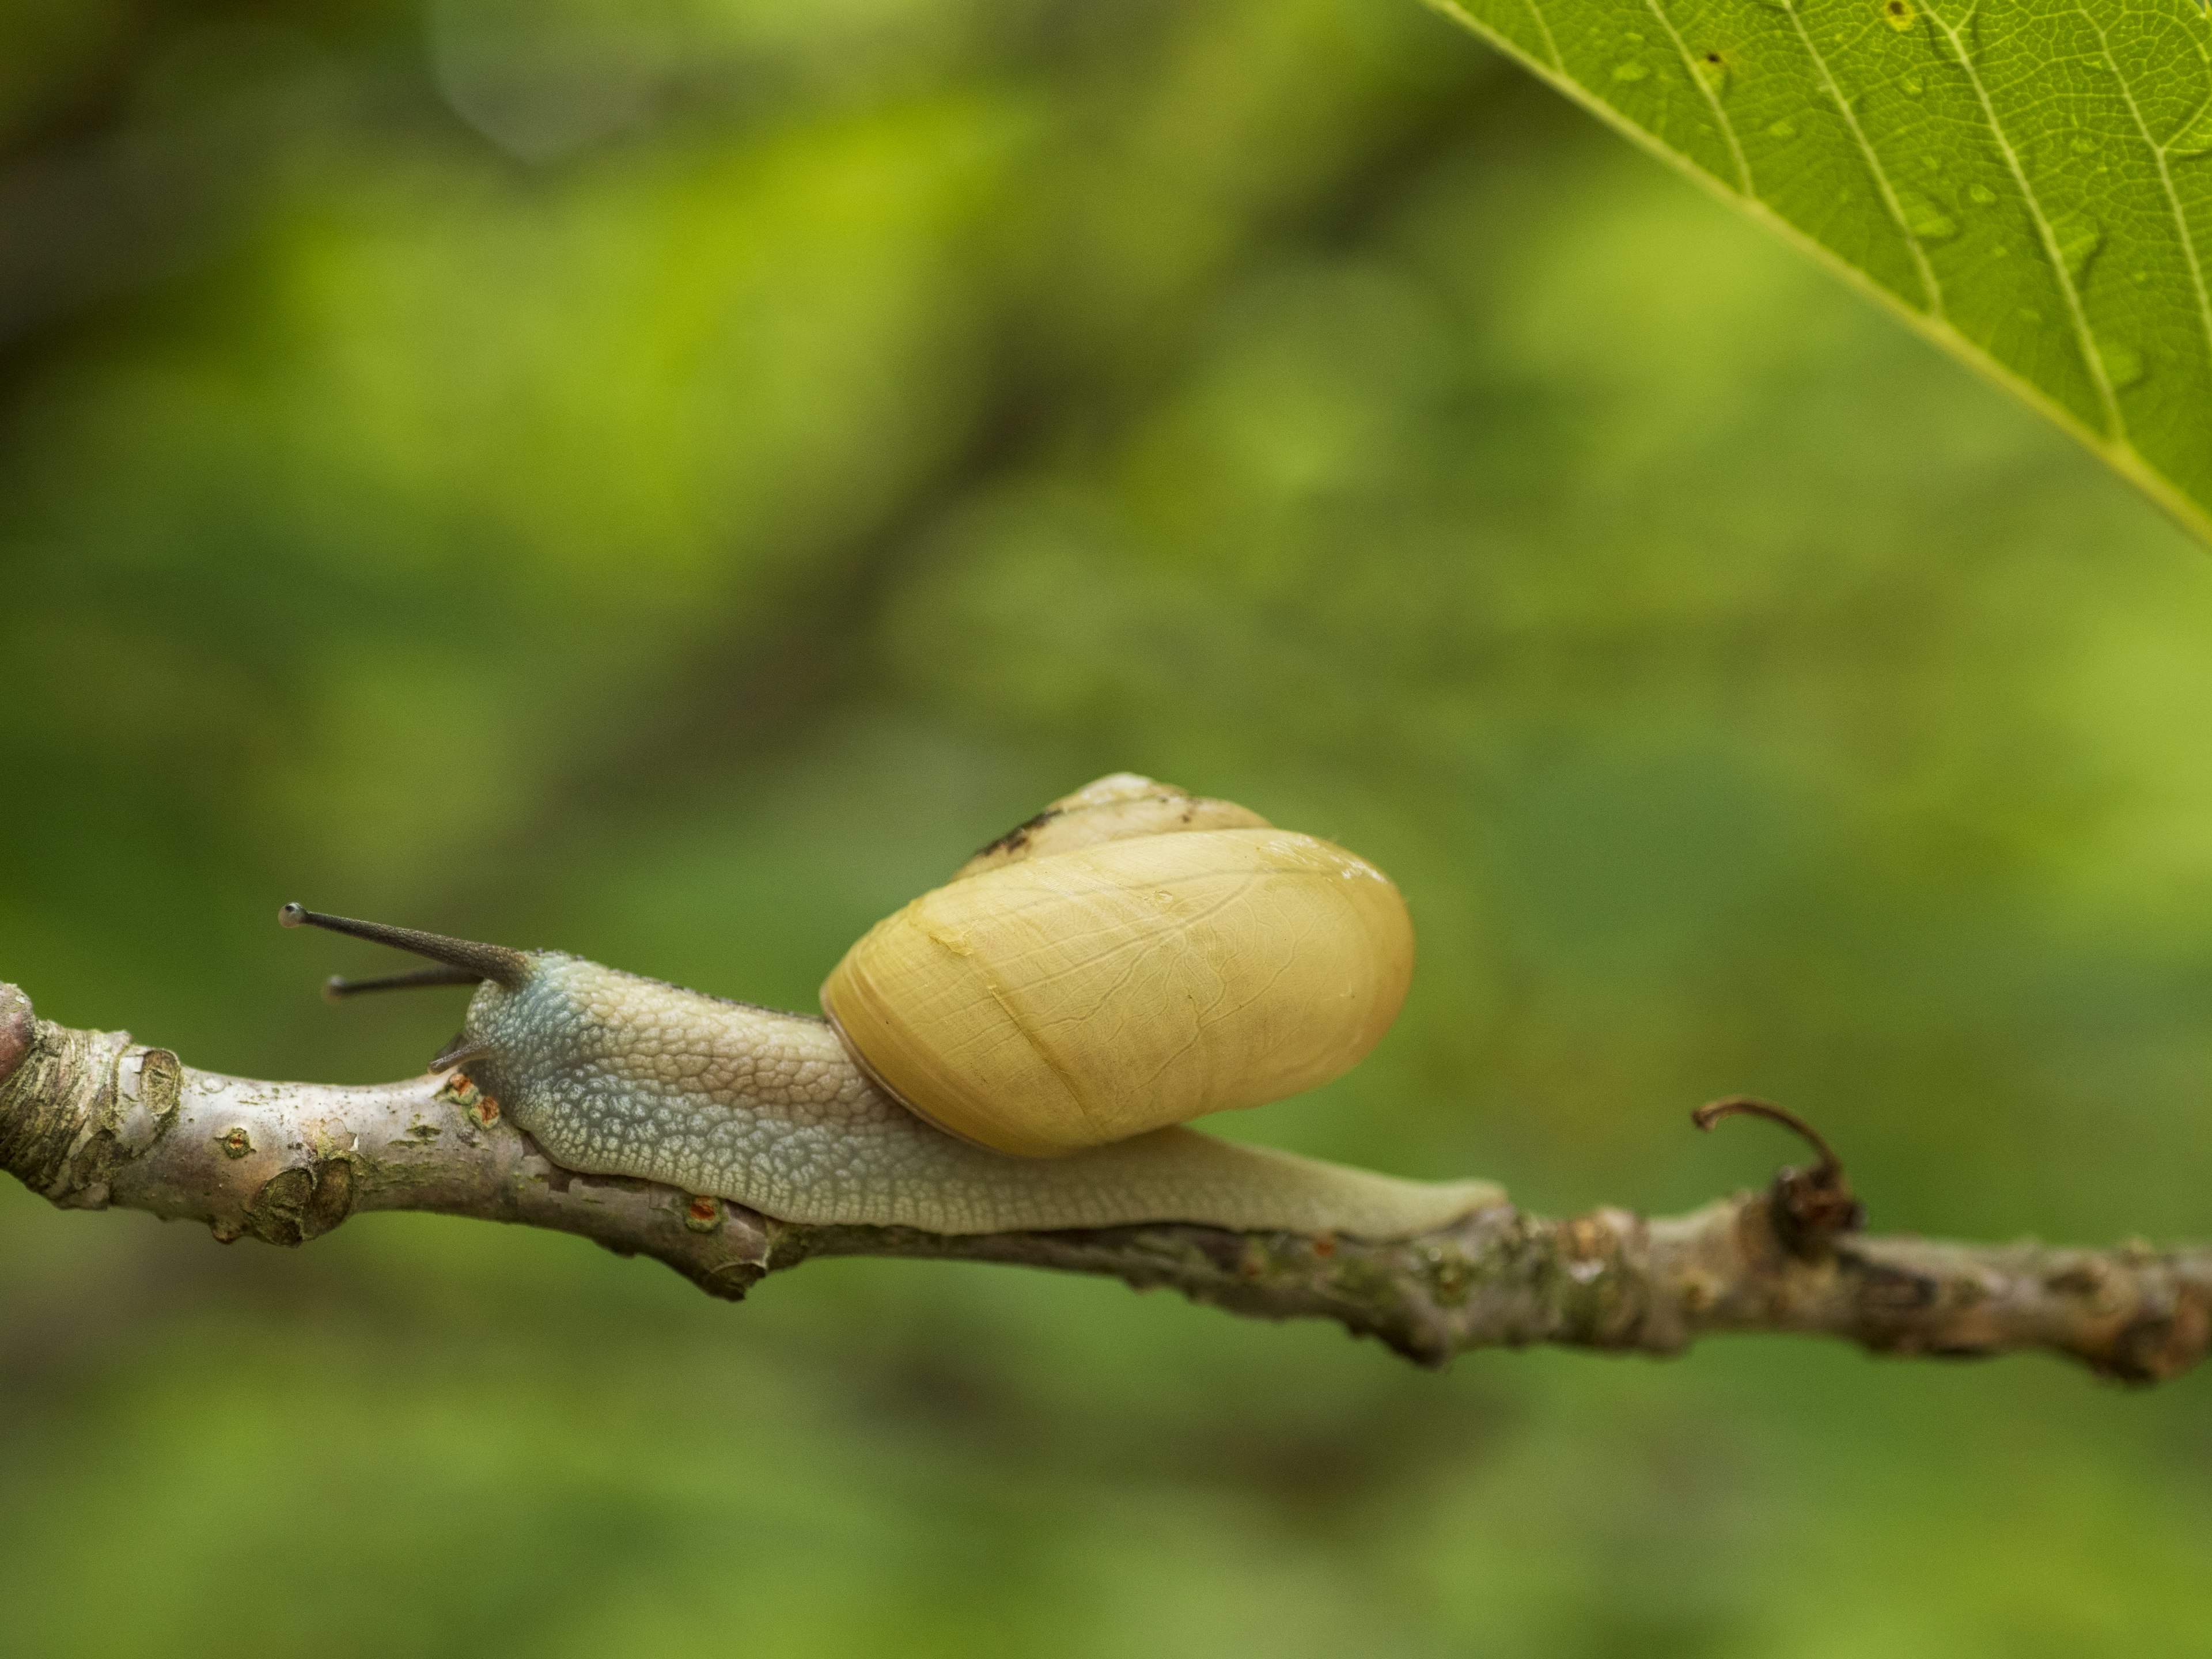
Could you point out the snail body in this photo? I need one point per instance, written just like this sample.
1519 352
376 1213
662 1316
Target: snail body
614 1075
1132 957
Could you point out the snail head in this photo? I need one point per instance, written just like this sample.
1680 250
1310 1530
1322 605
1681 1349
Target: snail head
495 968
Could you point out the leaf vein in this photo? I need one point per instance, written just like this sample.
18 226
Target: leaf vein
2165 175
2117 428
1713 99
1921 264
1544 29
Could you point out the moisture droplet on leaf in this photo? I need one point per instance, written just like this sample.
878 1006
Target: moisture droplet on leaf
1924 218
1631 70
2124 365
2078 240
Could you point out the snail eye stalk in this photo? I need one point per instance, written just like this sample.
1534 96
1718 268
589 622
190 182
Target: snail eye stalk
464 960
337 989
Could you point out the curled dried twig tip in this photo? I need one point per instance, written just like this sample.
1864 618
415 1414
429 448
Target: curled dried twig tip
1811 1206
1710 1114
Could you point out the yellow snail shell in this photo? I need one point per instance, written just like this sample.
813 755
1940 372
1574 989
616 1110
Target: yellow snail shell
1134 957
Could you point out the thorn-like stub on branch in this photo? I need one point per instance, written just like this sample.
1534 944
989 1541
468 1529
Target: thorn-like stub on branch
1811 1207
2158 1346
302 1203
17 1023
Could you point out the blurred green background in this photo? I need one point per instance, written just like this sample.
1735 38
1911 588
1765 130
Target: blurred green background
667 478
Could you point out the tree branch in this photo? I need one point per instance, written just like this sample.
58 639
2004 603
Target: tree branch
90 1120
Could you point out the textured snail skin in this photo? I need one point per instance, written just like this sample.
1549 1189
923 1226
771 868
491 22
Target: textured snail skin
616 1074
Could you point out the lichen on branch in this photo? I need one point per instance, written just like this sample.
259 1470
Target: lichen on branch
93 1120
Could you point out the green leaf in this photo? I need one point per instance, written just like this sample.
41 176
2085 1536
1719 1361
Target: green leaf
2028 182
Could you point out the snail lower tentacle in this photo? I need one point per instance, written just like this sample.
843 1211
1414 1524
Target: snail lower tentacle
616 1074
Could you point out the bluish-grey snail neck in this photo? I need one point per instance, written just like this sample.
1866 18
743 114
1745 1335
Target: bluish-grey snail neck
614 1073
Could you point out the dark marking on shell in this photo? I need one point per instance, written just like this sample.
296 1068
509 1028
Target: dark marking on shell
1018 837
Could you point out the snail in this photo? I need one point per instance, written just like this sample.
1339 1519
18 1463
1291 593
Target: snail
1014 1050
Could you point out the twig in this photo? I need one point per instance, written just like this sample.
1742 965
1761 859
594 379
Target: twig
91 1119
